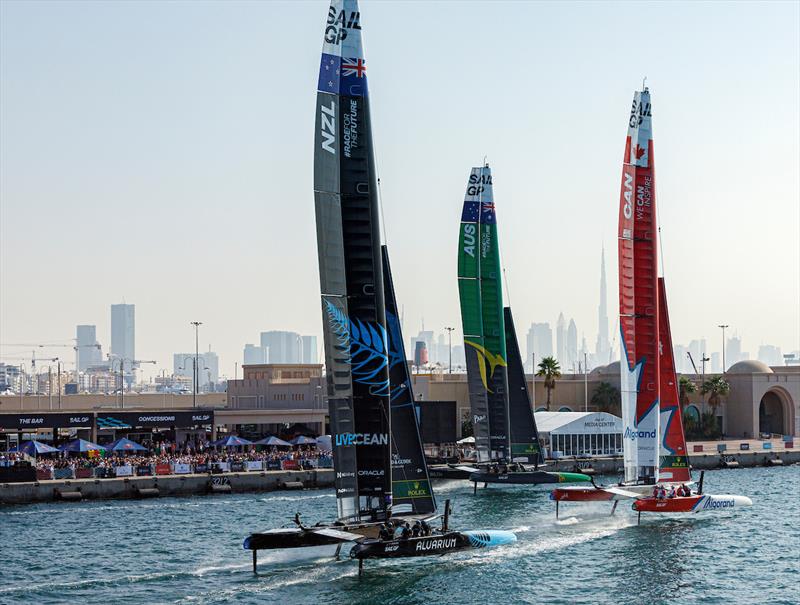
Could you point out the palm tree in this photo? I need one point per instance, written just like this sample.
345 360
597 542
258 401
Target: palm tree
716 388
551 370
606 398
685 388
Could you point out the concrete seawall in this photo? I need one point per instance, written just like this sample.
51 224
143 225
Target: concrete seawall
193 485
166 485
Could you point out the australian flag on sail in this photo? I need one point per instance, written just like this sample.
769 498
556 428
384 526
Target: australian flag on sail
488 217
470 212
342 76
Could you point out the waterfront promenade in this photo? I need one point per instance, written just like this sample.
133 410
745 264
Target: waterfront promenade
259 479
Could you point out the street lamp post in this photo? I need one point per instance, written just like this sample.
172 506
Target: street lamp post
196 325
450 349
59 385
585 382
122 361
723 326
703 360
195 372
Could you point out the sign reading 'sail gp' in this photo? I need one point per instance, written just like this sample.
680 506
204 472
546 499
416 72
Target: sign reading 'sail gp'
151 419
45 421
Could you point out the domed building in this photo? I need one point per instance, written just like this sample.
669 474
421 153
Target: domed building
762 400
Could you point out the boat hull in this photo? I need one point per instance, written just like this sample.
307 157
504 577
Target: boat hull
438 544
597 494
447 472
691 504
296 537
528 477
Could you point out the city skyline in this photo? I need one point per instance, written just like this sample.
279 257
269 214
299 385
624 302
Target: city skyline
238 190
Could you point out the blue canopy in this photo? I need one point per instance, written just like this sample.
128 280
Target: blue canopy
80 445
272 441
125 445
303 440
231 441
34 447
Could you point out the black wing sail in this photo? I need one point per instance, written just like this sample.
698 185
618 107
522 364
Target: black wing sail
411 485
348 240
524 434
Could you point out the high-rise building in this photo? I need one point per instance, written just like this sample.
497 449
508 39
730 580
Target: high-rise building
682 365
255 355
282 347
770 355
572 345
540 342
561 341
88 349
733 351
716 363
123 331
602 347
420 353
698 350
207 367
310 354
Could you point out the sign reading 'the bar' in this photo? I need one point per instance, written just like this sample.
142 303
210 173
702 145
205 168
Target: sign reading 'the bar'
49 421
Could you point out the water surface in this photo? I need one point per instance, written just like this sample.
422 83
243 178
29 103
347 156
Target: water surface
188 550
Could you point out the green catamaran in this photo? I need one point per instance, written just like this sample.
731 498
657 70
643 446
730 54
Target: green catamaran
506 438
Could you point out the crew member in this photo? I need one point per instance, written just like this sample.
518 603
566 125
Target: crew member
405 531
385 533
426 529
416 531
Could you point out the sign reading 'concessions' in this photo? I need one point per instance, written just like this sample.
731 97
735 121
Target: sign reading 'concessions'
49 421
121 420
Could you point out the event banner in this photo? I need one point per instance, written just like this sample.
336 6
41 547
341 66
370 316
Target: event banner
123 471
41 420
181 469
255 465
126 420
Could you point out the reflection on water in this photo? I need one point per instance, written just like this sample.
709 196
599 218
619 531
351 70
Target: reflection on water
189 550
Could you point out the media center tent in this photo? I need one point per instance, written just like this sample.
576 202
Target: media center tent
580 433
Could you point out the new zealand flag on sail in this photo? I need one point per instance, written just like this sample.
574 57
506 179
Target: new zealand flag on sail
343 76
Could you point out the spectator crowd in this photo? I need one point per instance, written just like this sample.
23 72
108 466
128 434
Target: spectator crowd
186 457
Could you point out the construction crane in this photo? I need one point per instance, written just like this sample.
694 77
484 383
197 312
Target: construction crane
689 353
74 347
703 360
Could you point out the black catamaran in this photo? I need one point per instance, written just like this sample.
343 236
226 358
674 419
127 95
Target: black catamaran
379 463
506 438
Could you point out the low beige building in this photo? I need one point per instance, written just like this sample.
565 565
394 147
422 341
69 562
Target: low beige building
762 399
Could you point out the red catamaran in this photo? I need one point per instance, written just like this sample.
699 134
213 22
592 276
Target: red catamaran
655 456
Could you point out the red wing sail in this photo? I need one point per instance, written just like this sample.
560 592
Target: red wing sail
638 296
673 459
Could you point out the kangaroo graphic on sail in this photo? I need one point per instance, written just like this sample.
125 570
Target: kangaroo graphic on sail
506 438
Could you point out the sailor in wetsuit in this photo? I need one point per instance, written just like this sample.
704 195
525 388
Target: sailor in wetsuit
385 532
405 531
416 531
426 529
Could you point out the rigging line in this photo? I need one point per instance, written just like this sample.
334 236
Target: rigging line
375 156
660 239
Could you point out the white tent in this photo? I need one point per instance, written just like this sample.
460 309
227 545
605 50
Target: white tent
581 433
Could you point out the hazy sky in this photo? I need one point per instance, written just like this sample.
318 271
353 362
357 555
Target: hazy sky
161 154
